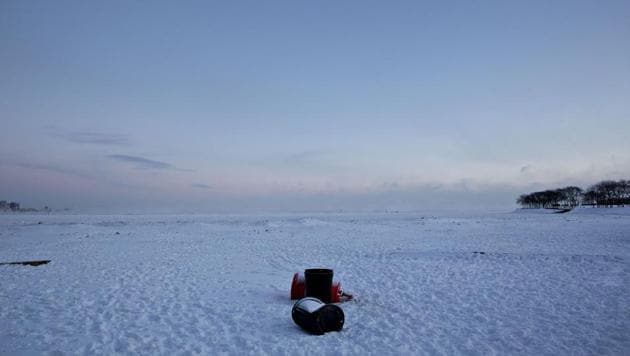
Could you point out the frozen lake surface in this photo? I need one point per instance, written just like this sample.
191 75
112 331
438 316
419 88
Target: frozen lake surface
510 283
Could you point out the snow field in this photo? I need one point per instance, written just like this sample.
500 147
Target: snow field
496 284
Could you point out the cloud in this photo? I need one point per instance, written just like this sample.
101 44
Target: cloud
96 138
50 168
201 186
141 162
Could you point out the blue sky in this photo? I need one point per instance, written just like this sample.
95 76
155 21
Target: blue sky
269 106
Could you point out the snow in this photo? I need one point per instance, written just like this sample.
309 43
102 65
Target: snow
501 283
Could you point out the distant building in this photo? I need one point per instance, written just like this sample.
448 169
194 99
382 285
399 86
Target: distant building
13 206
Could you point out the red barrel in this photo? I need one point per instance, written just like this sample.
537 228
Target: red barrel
298 286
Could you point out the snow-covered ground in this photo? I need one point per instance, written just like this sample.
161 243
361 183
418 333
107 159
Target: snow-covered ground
512 283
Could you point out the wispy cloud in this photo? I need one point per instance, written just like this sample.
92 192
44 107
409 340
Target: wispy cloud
141 162
201 186
50 168
95 138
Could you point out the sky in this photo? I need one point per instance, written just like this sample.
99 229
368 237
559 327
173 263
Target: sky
241 106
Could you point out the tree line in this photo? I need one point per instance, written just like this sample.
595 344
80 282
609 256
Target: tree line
14 206
604 193
9 205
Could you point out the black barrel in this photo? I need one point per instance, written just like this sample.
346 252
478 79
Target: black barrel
317 318
318 283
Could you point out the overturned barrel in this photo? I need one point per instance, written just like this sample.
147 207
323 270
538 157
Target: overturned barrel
318 283
315 317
